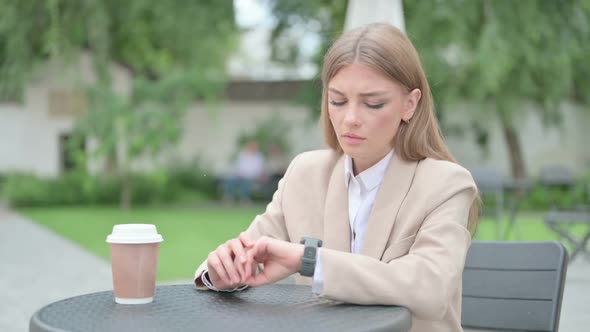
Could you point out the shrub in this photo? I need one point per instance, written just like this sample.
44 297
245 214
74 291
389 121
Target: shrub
193 177
26 189
540 198
80 188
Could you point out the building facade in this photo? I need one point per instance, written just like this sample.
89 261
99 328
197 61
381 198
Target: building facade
33 134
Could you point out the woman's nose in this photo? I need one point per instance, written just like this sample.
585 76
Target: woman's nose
351 117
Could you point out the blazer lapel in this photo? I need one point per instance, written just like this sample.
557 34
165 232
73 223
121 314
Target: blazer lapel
336 223
396 184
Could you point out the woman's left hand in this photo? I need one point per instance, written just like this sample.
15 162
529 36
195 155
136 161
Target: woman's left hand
280 259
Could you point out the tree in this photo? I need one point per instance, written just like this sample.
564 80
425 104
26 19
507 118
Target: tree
498 54
502 54
324 18
139 125
151 38
176 52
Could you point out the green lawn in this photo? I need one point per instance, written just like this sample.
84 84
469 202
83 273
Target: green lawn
191 233
529 227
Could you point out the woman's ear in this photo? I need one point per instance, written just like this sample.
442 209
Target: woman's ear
411 103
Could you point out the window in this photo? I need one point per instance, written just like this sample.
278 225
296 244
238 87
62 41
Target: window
69 147
66 102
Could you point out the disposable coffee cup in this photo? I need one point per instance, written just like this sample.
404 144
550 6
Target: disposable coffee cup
134 262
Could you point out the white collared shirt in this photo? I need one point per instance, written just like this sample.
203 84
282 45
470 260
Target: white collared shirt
362 190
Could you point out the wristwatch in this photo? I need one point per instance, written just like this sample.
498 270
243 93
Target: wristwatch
309 254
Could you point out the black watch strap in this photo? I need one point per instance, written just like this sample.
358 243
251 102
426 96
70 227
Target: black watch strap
308 260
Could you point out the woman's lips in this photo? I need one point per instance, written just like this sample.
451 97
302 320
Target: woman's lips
352 139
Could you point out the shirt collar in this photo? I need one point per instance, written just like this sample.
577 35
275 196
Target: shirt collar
371 177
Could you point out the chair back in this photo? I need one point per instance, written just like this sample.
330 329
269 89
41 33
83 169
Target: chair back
514 285
556 175
558 181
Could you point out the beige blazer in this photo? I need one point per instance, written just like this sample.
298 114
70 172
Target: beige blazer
415 244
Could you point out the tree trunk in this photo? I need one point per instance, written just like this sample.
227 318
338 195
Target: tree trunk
514 149
110 164
126 191
122 155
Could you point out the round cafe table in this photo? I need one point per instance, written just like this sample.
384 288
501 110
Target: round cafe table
183 308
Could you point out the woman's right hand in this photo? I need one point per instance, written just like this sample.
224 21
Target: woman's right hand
226 263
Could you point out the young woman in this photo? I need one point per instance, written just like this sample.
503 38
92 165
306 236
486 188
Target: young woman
390 204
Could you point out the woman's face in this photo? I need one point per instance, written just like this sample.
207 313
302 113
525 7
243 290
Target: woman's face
366 109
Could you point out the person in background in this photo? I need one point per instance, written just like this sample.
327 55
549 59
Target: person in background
385 215
248 168
276 165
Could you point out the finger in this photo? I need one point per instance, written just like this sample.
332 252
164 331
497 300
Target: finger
250 264
245 239
253 268
257 280
256 255
228 264
240 256
217 272
241 270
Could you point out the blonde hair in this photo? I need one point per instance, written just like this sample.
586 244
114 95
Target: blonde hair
388 51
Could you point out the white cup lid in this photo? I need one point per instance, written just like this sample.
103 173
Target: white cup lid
134 233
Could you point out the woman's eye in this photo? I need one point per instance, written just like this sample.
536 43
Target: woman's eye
375 106
336 103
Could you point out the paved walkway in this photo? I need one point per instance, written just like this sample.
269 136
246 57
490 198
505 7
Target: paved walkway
38 267
575 308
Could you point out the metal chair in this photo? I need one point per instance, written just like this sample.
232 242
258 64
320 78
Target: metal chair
513 285
490 184
559 179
